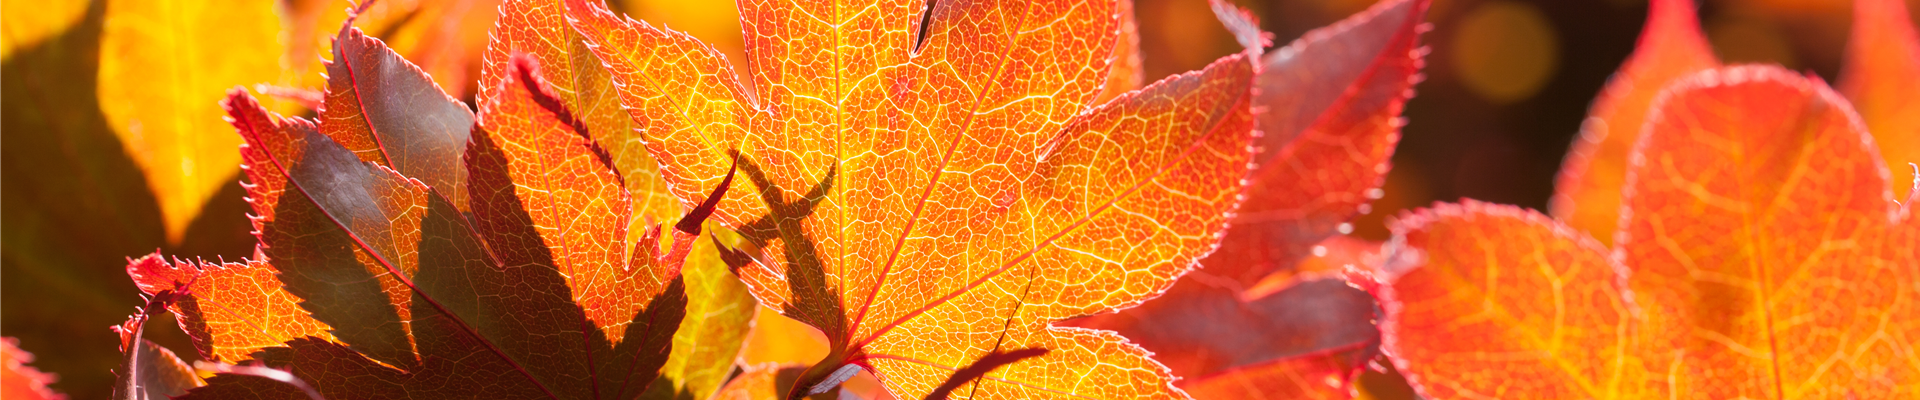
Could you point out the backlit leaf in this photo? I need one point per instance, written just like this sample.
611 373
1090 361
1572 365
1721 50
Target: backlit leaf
388 112
1587 191
1316 376
19 380
1127 73
1332 101
537 296
906 192
720 315
1881 77
1761 255
164 66
708 343
230 310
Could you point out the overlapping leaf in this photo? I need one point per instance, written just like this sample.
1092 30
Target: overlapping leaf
956 188
1332 101
1761 255
1587 191
706 346
533 293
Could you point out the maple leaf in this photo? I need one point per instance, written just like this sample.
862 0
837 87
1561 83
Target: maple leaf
705 347
1332 101
398 283
1587 191
386 111
163 68
1761 255
383 110
926 199
20 381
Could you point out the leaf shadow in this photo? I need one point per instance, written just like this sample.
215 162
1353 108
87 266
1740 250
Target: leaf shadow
805 271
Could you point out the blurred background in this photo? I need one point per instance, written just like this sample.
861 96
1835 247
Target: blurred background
1508 84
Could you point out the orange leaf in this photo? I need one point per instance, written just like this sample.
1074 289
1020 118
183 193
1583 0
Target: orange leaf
1128 72
1763 251
1881 77
907 190
18 381
222 305
1326 376
1506 303
705 348
1587 192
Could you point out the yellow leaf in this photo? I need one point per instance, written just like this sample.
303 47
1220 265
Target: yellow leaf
164 66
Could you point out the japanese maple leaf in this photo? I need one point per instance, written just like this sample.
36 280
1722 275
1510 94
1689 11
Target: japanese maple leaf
1332 101
705 347
534 292
1761 254
926 195
380 109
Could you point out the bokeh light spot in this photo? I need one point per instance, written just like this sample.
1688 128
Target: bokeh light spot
1505 51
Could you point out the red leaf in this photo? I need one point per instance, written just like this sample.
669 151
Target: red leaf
1332 101
18 381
